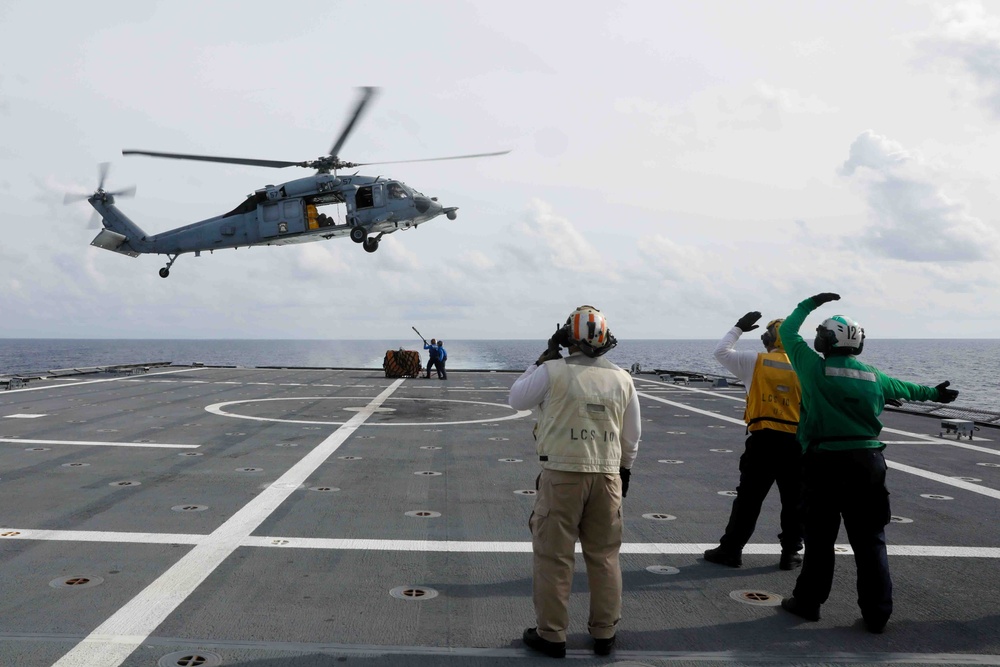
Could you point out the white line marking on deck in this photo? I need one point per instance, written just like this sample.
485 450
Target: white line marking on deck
941 441
943 479
78 384
90 443
905 442
99 536
451 546
36 416
685 406
623 657
117 638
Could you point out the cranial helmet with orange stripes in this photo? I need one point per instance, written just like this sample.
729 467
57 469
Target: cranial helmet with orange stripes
587 328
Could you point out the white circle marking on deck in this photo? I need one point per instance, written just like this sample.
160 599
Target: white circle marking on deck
218 409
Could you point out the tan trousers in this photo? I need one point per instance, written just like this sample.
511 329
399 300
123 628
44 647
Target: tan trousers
571 506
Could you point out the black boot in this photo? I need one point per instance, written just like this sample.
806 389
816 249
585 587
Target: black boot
802 611
790 561
604 646
722 557
551 649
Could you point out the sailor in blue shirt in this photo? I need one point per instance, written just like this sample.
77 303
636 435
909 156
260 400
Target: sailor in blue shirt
434 353
442 357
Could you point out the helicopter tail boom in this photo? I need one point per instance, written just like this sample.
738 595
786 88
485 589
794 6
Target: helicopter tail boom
120 234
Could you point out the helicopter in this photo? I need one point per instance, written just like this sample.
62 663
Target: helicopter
280 214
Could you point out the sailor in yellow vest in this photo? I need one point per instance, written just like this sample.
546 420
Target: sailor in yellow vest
587 438
773 454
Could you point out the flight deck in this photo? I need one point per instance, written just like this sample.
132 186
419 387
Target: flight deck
304 517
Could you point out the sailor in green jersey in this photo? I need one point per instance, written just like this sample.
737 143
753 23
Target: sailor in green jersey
844 467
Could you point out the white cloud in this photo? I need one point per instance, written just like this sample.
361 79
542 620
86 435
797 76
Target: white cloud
767 106
553 240
317 260
912 217
476 262
966 38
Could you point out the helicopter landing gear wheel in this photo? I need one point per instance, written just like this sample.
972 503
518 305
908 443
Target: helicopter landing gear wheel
370 245
165 271
358 234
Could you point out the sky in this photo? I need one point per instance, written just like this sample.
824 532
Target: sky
675 164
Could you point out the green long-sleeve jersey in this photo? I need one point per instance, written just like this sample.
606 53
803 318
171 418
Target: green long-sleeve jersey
841 397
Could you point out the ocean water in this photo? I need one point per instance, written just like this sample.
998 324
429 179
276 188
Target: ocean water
970 365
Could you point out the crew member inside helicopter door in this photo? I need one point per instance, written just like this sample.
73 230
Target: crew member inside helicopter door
396 191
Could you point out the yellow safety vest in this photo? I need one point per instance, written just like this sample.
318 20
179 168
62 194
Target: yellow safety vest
775 395
579 427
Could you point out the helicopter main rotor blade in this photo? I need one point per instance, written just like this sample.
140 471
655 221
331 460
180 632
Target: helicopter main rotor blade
227 160
367 94
433 159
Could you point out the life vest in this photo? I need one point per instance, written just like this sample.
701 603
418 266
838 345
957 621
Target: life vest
775 395
579 426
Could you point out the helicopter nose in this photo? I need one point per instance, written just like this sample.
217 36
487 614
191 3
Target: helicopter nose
423 204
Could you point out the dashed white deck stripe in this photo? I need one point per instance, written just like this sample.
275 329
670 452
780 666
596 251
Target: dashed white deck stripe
89 443
113 641
452 546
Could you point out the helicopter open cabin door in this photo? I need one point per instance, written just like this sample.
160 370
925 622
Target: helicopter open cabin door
370 196
281 218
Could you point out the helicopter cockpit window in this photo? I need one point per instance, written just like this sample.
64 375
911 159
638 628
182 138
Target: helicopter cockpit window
398 191
364 198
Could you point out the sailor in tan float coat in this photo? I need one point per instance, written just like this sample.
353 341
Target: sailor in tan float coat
772 452
587 439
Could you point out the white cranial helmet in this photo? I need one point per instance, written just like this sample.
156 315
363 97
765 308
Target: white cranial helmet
839 335
588 329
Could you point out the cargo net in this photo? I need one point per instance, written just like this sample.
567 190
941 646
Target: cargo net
401 363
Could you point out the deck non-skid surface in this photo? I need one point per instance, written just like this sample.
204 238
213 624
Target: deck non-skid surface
314 517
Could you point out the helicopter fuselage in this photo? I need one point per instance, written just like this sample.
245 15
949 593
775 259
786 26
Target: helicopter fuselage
281 215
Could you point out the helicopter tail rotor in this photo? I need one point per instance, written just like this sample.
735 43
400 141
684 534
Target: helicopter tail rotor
100 193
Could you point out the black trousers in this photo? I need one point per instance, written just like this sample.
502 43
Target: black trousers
848 484
770 456
431 363
439 364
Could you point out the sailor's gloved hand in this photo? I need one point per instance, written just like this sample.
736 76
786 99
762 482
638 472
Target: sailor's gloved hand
559 338
946 395
893 402
825 297
625 474
746 323
549 354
